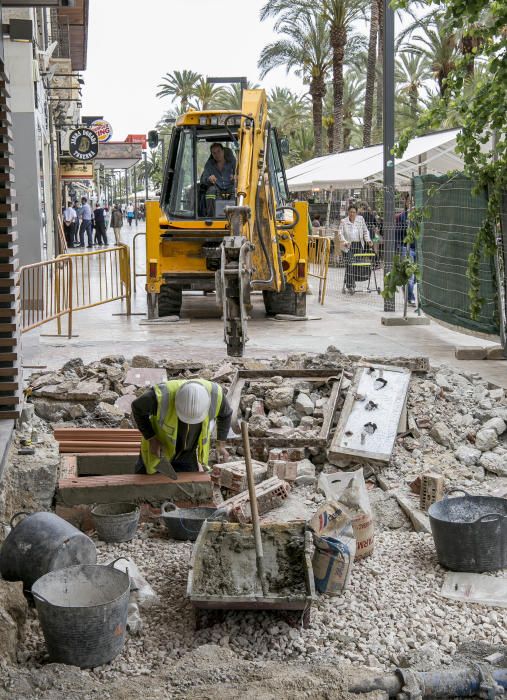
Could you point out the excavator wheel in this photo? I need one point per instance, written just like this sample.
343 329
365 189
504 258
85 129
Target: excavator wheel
286 302
169 301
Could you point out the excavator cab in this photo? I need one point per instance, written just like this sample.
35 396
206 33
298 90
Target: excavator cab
234 233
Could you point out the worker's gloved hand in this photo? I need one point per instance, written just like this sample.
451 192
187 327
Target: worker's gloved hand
155 447
222 454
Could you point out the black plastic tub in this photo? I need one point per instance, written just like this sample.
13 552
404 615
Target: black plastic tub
184 523
470 532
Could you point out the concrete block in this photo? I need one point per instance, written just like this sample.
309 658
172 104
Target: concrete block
470 353
283 469
496 353
401 321
288 454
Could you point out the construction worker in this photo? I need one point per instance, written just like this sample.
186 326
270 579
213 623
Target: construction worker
177 419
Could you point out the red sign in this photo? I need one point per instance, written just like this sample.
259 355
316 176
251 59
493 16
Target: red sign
136 138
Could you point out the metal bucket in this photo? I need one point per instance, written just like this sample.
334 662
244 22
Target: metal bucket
83 613
116 522
470 532
184 523
40 543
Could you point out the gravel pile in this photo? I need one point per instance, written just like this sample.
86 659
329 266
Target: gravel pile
391 615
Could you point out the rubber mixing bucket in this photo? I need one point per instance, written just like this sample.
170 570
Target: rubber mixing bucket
83 613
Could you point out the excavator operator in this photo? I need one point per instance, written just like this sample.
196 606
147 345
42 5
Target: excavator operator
218 175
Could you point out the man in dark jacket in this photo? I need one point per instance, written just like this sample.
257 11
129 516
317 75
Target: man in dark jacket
100 225
218 175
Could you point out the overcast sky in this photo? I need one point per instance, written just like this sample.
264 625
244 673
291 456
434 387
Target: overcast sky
132 44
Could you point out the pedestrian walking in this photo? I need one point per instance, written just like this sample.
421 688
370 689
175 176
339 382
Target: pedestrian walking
130 214
86 216
69 224
117 222
100 225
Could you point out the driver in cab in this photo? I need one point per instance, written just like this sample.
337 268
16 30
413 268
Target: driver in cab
218 175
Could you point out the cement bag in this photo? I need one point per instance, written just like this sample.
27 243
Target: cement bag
348 489
335 548
332 563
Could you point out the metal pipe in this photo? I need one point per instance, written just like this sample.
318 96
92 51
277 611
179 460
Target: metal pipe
388 139
462 682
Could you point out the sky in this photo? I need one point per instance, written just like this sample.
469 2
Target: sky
132 44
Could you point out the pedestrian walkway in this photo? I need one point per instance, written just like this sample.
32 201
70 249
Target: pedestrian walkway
354 328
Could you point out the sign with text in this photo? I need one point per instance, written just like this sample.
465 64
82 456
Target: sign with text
76 171
103 129
83 144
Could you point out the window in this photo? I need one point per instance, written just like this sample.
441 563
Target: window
183 188
276 167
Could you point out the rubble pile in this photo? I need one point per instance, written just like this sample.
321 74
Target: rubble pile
281 407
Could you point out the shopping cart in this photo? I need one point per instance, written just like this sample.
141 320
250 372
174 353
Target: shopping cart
361 267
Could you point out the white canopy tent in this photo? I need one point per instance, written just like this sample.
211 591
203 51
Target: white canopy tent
433 153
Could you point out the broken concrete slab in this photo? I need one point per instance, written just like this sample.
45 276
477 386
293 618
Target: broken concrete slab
13 614
370 416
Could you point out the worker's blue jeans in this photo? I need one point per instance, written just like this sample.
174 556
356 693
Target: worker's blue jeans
406 250
86 227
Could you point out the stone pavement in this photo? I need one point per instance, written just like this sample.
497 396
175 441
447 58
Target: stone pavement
351 324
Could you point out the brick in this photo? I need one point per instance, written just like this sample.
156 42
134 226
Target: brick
283 469
470 353
270 494
287 454
232 475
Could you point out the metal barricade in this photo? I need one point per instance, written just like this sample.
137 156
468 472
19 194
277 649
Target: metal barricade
46 294
135 273
110 271
318 262
54 288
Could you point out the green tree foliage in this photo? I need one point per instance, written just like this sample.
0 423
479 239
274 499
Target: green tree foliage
304 48
179 85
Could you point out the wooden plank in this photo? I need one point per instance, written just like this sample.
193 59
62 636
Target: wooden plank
8 356
9 371
8 222
193 486
8 386
6 207
8 342
9 312
6 238
6 327
8 252
8 400
9 296
9 414
10 266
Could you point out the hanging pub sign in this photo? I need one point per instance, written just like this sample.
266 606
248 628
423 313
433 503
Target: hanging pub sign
103 129
83 144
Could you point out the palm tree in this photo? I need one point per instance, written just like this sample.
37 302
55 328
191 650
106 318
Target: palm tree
287 111
411 71
180 86
232 96
206 95
370 73
301 146
353 100
439 47
306 49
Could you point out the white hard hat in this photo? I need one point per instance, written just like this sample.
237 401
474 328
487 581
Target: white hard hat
192 403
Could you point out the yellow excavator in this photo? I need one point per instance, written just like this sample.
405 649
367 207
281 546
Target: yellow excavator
225 221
